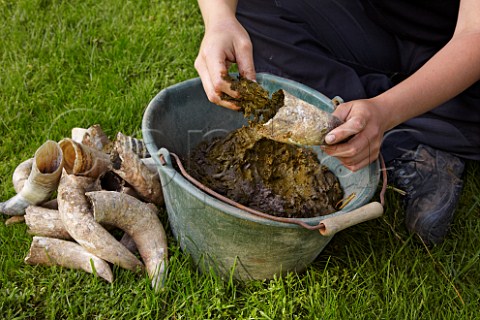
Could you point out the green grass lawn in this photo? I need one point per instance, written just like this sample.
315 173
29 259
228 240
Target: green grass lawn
66 64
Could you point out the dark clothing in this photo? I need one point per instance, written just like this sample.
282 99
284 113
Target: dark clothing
341 49
424 21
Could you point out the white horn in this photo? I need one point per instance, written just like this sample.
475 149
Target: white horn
21 173
68 254
42 181
93 137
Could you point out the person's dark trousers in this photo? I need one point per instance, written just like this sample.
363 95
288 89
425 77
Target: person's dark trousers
334 47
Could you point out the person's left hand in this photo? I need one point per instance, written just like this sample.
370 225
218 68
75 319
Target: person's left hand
356 143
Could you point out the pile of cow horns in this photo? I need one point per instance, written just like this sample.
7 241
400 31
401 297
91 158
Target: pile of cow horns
101 186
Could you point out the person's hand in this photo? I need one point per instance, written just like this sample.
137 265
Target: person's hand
224 43
356 143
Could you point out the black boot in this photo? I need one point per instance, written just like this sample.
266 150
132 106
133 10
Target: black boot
432 180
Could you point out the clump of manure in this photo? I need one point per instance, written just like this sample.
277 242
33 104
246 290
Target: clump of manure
278 178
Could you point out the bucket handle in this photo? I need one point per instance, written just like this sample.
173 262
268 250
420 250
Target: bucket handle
332 225
327 227
164 157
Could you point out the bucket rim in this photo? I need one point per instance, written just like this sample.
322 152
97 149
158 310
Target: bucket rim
374 167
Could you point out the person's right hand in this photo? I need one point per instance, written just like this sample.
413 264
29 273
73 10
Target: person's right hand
225 42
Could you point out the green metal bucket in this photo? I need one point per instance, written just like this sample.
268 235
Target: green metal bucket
219 235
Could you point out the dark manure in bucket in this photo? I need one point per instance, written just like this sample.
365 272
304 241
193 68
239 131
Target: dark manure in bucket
277 178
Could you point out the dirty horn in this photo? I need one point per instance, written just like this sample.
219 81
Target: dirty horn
83 160
141 222
77 218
